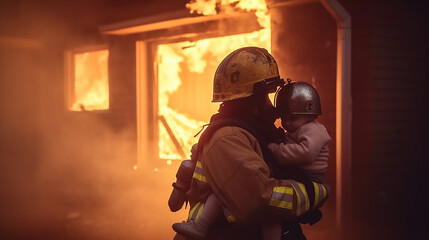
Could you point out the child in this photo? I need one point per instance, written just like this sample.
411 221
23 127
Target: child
307 140
306 145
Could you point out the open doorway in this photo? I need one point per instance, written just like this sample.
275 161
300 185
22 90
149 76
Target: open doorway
178 98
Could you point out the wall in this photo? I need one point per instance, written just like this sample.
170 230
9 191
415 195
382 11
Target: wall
389 55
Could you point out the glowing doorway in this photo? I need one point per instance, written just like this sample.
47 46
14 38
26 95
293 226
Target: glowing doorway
174 101
185 73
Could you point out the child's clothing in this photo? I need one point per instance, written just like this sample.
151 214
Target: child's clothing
306 148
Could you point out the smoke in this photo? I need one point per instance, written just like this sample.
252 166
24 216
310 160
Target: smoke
98 189
68 175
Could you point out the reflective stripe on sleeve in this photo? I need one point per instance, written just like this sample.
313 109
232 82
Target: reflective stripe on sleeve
282 197
294 197
316 193
199 172
302 201
319 193
325 192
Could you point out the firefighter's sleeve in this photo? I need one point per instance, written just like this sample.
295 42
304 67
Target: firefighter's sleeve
234 168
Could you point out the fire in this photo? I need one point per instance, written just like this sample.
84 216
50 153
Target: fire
185 76
91 86
213 7
207 7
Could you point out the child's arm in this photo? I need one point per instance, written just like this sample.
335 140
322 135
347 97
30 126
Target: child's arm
312 138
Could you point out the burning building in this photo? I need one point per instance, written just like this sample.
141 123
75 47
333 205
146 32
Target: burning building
102 99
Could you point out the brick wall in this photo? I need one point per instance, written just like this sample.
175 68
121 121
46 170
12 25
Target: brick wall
389 72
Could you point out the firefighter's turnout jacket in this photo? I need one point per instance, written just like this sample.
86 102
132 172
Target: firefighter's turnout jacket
231 164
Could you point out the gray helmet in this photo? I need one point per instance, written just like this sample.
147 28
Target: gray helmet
298 98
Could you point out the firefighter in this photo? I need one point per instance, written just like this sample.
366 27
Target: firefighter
233 161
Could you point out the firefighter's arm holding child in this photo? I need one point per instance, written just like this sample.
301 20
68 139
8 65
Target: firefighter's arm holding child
240 178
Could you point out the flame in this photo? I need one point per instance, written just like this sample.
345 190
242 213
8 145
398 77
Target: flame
207 7
213 7
190 64
91 86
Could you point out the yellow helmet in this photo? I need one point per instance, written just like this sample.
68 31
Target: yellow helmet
244 72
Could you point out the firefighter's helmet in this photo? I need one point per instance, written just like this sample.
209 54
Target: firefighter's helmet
298 98
245 72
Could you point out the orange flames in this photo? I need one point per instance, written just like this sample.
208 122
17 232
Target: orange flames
213 7
185 76
91 86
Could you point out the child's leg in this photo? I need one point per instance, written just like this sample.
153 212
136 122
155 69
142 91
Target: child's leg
272 232
198 229
211 211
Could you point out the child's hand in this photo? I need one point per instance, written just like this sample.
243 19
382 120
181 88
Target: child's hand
194 153
273 147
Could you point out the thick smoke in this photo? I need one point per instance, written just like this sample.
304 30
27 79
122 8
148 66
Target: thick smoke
67 175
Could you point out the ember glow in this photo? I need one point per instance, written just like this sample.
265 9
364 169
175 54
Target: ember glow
185 77
213 7
91 86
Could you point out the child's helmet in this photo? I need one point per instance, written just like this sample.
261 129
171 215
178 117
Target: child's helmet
244 72
298 98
